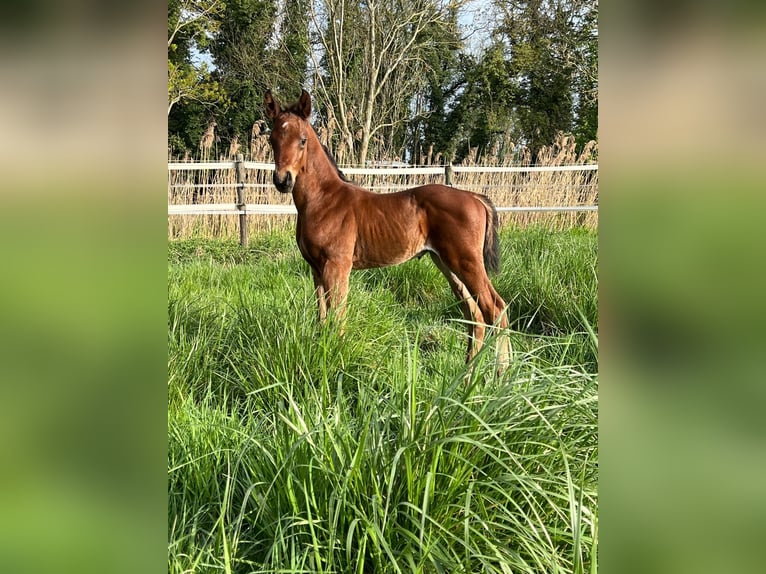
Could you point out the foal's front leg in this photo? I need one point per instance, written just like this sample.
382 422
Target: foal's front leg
321 294
335 276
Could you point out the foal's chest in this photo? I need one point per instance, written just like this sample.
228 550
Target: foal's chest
320 239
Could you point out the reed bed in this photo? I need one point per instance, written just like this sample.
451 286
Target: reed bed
506 189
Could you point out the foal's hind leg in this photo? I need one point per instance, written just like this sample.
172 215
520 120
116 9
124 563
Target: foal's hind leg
469 269
501 321
471 312
492 307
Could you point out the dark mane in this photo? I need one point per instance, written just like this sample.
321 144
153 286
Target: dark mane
335 165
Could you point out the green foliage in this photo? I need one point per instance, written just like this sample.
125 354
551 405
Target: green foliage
586 84
586 128
239 52
192 87
439 92
537 77
292 448
485 109
293 48
391 79
192 82
553 55
252 55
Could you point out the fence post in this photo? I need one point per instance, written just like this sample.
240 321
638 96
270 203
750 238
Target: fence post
448 174
239 169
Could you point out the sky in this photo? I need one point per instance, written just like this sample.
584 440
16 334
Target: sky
476 20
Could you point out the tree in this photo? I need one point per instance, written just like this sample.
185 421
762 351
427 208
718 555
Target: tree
485 110
585 50
238 49
372 59
552 57
187 81
388 77
430 130
193 92
190 23
260 45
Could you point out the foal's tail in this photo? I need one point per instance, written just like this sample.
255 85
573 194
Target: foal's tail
491 240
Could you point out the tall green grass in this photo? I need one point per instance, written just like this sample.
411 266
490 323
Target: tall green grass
294 449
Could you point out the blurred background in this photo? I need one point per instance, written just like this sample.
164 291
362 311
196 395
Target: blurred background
83 152
683 144
83 289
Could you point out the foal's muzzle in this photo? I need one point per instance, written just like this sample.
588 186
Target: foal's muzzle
284 185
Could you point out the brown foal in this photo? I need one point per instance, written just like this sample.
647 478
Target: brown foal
342 226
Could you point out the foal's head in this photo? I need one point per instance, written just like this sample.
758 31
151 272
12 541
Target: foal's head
289 132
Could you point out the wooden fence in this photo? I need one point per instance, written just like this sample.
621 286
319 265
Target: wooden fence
575 185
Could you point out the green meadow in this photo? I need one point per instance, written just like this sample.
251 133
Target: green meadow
293 448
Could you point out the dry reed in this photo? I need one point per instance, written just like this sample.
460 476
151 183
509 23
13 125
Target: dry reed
506 189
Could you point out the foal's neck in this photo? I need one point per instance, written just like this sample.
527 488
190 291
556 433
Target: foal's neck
319 178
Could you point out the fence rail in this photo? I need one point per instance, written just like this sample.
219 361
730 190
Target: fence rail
255 209
445 174
435 170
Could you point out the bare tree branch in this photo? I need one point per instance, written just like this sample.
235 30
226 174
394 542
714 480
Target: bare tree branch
388 42
192 11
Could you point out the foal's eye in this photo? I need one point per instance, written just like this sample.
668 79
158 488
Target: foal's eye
303 141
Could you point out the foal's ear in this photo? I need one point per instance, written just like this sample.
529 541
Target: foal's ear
272 105
303 107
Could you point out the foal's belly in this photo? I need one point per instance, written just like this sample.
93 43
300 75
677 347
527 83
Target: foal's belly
389 229
384 254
